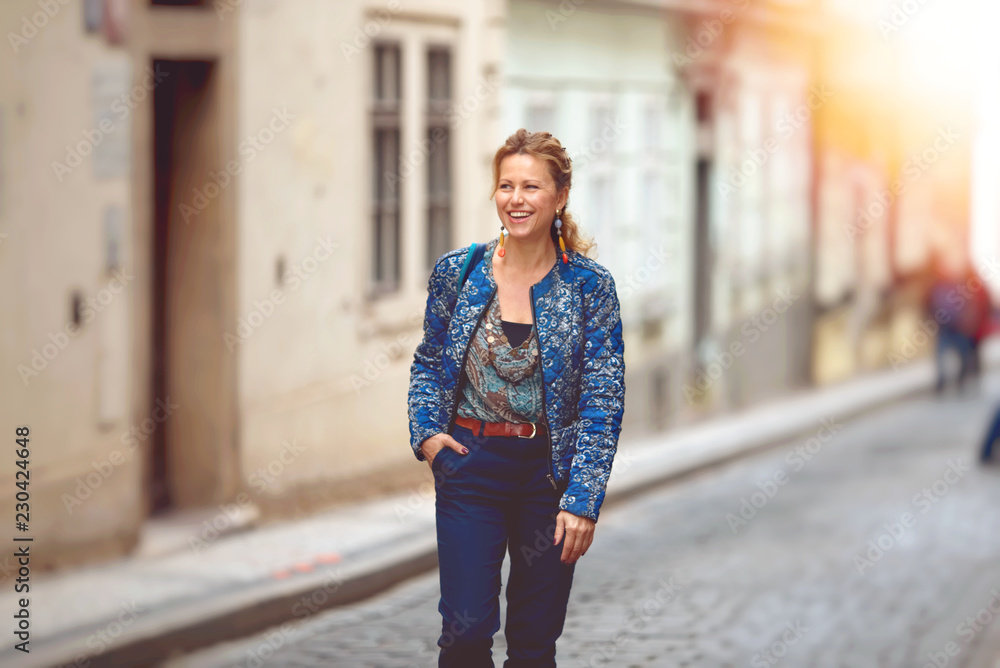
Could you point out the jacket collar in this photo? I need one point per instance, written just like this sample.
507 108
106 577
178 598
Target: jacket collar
558 271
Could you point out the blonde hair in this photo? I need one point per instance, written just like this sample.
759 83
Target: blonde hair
545 147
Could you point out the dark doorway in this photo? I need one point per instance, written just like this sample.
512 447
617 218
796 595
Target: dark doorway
191 287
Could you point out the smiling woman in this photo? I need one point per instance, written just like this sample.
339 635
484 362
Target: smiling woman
519 424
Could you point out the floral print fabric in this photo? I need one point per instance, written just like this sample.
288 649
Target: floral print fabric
503 382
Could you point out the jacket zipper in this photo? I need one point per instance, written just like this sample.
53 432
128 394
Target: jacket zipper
548 432
461 369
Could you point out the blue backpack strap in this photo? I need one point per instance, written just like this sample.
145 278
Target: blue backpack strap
472 258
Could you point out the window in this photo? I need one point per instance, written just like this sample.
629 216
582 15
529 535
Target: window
602 131
386 204
653 119
413 163
599 161
439 159
602 217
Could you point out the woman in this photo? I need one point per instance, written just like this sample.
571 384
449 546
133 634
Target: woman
516 399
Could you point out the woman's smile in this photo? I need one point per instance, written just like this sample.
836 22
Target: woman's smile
519 216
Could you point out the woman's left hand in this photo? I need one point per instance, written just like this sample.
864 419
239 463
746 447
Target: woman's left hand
578 532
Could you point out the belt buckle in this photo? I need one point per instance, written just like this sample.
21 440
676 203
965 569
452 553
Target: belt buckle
534 430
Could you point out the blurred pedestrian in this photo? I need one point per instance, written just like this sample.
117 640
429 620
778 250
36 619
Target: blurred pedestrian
978 317
516 399
949 306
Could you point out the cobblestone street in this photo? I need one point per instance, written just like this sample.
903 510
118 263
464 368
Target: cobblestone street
875 543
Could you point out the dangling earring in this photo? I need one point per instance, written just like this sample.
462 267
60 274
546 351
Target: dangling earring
562 244
501 251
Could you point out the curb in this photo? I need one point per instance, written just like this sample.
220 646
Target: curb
192 625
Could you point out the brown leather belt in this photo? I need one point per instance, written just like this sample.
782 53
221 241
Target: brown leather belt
520 429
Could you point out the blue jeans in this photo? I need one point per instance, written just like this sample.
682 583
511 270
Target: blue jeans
493 500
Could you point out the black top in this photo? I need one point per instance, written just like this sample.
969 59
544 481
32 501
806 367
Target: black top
516 332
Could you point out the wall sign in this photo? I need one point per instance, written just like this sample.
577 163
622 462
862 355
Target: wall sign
113 103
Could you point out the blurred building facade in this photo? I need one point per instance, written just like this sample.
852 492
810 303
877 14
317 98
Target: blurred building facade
227 213
894 156
692 171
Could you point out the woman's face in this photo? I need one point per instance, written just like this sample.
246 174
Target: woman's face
526 197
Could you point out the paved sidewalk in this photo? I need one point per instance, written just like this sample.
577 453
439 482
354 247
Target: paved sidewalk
139 610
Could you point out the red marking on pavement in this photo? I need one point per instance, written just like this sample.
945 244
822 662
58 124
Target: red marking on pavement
303 567
327 558
280 575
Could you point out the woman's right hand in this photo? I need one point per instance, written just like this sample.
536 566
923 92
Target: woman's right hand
433 445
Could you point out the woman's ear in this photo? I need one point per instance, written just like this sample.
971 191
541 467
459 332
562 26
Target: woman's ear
562 199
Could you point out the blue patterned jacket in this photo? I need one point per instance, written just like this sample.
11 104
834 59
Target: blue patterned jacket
578 324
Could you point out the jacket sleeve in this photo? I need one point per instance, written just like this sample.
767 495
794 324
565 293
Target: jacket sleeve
426 395
602 398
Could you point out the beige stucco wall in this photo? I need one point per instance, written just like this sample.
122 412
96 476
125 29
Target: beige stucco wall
71 391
